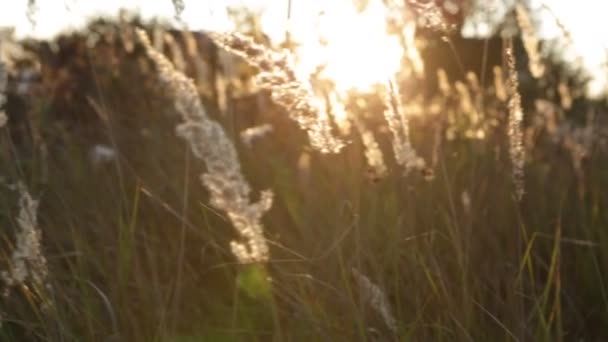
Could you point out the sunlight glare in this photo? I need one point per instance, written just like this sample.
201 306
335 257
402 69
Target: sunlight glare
353 47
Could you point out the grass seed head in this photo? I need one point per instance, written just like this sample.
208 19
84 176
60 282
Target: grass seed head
228 189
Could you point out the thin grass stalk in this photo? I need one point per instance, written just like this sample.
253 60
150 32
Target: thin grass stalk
373 153
398 123
28 265
373 295
530 40
3 85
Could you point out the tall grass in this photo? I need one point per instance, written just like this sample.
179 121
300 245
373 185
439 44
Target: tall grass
138 246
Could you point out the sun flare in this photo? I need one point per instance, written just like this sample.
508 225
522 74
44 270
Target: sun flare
352 47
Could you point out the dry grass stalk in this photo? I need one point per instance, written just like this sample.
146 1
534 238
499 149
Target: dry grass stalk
229 191
373 153
516 147
27 263
398 123
373 295
530 40
278 75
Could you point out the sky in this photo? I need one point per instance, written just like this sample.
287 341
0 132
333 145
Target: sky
585 19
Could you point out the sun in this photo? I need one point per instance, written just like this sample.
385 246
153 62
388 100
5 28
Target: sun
352 47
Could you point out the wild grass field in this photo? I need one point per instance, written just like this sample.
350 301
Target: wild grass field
160 184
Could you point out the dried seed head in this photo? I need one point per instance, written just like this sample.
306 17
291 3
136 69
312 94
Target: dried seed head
27 263
465 198
228 189
411 51
530 39
277 75
398 123
376 298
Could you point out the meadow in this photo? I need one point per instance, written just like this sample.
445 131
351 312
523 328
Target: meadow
166 185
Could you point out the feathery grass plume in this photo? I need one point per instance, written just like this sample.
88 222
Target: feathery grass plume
469 104
516 147
373 153
530 40
373 295
411 51
400 21
431 16
27 263
465 198
579 141
560 24
335 107
250 134
31 11
405 155
278 75
229 191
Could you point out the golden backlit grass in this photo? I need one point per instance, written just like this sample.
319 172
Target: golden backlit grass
136 252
